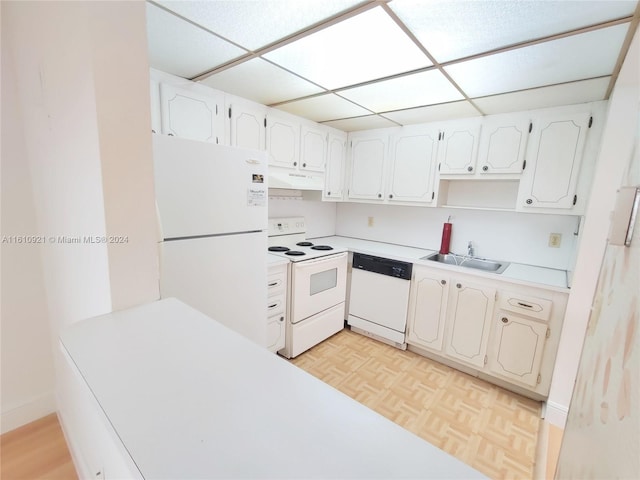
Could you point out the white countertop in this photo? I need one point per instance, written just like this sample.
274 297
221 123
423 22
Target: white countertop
516 272
276 260
190 398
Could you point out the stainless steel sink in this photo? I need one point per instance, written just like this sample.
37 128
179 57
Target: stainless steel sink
468 262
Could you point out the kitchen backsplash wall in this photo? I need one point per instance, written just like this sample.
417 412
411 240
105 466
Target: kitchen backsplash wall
509 236
320 216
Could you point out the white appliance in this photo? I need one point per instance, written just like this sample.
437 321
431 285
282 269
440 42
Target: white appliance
317 285
212 205
379 298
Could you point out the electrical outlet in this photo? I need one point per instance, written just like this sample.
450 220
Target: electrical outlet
370 222
555 239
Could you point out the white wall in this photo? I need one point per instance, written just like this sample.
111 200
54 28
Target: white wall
26 359
616 149
514 237
320 217
83 90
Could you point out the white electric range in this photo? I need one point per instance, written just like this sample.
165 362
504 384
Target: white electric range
317 285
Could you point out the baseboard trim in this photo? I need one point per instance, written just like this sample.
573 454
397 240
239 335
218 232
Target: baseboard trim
556 414
34 409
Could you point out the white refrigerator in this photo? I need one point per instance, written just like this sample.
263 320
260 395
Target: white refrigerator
212 209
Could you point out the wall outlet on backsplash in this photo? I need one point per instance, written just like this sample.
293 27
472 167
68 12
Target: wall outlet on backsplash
555 239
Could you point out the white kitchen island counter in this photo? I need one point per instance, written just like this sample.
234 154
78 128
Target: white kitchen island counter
189 398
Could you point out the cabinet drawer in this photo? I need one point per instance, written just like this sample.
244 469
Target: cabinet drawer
539 308
276 304
276 282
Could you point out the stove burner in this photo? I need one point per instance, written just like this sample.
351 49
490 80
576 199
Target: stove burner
278 249
322 247
304 244
294 253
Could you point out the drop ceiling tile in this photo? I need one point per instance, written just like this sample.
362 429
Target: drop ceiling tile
323 107
415 90
360 123
254 24
177 47
262 82
566 94
577 57
356 50
451 30
432 113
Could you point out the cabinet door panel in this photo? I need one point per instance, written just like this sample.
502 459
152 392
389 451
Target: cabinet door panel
427 310
188 114
518 348
412 167
313 149
283 142
557 146
368 157
458 148
247 127
470 311
275 332
334 174
502 145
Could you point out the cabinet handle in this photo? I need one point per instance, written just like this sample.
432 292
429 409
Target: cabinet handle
273 305
505 320
170 134
282 319
390 196
458 285
273 284
485 168
529 201
304 164
470 168
328 194
525 305
295 164
443 282
153 131
379 195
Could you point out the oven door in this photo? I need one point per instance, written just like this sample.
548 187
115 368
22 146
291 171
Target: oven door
317 285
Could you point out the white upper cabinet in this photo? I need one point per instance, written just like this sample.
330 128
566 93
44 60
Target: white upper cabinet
313 148
368 161
458 147
553 162
187 113
335 167
247 125
283 141
503 144
413 164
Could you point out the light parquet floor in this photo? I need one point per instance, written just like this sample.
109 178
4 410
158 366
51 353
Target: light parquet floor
491 429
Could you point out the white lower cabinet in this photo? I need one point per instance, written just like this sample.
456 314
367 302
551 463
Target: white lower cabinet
518 346
276 306
507 334
427 309
469 317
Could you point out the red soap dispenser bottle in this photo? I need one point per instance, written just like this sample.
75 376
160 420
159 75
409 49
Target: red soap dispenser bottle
446 237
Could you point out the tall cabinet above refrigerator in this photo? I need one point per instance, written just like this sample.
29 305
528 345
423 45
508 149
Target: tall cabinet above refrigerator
212 208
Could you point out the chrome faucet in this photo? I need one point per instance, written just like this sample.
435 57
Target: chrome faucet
470 251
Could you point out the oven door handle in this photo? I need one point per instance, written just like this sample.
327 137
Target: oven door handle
319 261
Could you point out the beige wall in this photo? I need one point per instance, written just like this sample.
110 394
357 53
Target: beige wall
616 149
82 84
602 434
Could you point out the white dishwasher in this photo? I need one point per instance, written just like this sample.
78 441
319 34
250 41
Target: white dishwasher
379 298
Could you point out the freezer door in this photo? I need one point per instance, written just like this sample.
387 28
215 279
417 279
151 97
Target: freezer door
204 189
224 277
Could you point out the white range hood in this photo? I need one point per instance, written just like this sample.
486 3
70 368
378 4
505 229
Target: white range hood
296 181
